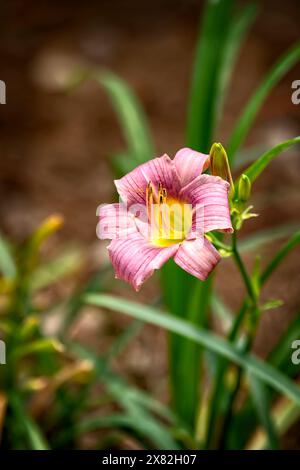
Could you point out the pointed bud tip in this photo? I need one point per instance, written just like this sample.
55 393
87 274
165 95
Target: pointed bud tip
219 162
244 188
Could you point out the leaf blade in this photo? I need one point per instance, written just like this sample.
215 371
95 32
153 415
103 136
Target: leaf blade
202 108
7 264
261 163
209 340
261 403
131 116
284 64
280 255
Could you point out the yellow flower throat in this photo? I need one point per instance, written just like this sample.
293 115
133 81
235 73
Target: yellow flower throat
169 219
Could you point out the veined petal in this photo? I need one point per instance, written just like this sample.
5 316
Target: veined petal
132 187
190 164
197 257
115 221
135 259
212 193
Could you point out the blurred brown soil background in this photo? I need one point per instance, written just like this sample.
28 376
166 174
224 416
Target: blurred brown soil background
55 146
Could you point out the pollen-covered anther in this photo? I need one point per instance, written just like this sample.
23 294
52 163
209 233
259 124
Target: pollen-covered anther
149 199
162 194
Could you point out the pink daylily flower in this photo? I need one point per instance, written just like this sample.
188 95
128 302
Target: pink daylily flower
136 251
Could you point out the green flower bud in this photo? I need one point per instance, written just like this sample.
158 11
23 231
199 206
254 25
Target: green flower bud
219 164
244 188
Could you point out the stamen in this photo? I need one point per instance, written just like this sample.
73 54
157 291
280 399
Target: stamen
164 215
162 194
149 199
165 195
160 215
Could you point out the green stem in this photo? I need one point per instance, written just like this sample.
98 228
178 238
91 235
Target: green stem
223 364
219 380
242 269
254 315
231 399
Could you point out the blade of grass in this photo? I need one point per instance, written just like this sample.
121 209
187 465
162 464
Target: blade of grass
205 86
244 122
7 264
122 340
257 387
248 155
262 370
221 311
185 381
280 356
142 425
217 391
122 163
117 386
235 39
260 164
136 404
252 242
284 414
278 258
33 434
261 403
95 284
131 116
64 265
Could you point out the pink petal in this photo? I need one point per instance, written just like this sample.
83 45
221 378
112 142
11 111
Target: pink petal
132 187
212 193
190 164
197 257
135 259
115 221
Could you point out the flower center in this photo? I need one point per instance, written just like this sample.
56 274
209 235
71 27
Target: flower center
170 219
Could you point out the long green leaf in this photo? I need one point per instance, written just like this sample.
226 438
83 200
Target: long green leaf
284 415
64 265
33 434
221 311
120 389
96 283
266 236
7 264
142 425
247 155
244 122
205 87
123 339
235 38
260 164
280 356
137 405
131 116
261 403
208 340
282 253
